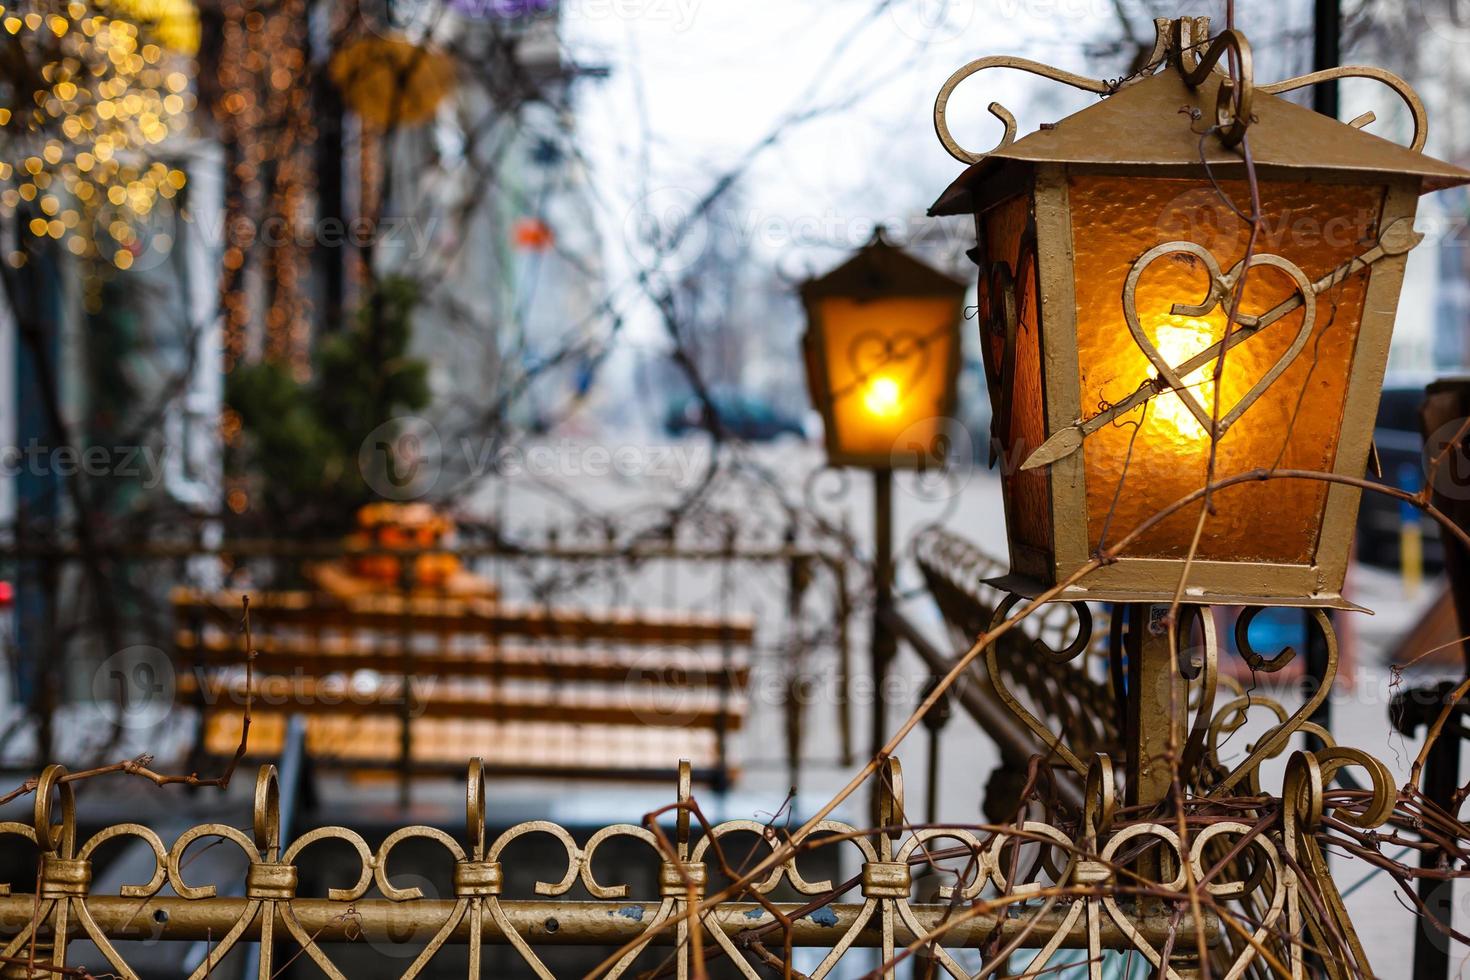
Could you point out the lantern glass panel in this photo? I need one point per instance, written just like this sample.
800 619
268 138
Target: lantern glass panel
1009 239
1159 453
889 373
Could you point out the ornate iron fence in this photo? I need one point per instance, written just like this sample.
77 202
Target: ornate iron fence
1034 895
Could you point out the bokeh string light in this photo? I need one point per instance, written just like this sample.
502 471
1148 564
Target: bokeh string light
94 90
264 116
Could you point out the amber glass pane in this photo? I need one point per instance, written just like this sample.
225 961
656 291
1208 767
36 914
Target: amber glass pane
888 364
1027 493
1153 456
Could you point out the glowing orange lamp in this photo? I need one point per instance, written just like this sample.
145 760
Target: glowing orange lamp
882 353
1113 246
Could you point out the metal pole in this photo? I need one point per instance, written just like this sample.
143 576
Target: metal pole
884 645
406 707
1441 779
1446 403
1326 53
1157 704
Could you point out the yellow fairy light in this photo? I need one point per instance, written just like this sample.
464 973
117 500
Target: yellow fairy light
111 80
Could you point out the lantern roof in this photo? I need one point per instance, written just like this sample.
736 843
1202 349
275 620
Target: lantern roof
880 269
1154 124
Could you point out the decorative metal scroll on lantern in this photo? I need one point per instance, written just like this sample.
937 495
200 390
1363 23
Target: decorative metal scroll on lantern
1186 296
1105 332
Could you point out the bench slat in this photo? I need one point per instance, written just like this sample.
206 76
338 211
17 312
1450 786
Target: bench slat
685 709
556 750
330 655
444 615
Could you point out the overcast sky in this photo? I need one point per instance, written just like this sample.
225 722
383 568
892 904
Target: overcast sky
696 85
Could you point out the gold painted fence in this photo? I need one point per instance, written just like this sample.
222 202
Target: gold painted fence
959 896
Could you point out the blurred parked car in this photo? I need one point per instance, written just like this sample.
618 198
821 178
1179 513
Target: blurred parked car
1401 453
742 415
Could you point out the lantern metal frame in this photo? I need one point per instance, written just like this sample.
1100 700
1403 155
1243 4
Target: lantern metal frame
1116 137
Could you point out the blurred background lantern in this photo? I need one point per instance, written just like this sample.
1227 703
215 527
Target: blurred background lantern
882 352
1110 246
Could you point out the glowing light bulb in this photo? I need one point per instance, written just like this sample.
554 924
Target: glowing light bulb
1177 343
882 396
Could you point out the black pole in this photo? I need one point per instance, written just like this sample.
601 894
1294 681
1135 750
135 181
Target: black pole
1326 53
1446 403
884 645
1441 779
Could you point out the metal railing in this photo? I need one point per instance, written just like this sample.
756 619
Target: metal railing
776 912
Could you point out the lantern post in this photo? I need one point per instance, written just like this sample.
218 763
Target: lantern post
882 353
1186 295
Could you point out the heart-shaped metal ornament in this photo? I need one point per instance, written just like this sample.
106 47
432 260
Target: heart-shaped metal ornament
1222 286
872 354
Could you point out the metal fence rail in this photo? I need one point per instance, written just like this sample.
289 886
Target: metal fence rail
759 924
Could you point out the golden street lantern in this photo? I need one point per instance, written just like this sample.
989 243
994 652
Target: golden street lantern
882 353
1111 245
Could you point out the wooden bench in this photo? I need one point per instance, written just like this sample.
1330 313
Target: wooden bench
416 685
